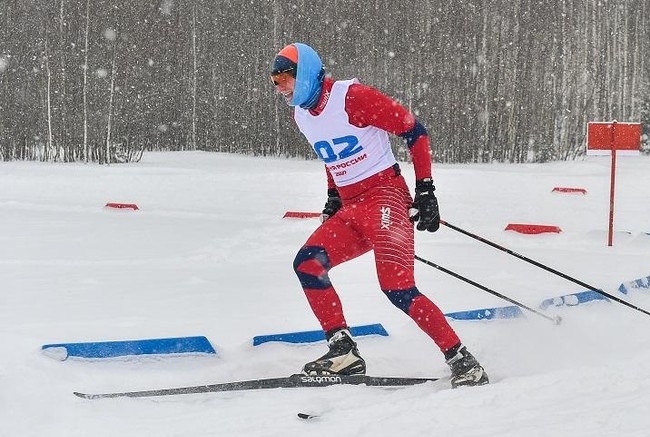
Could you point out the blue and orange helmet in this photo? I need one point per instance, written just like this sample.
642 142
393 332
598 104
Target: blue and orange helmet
304 64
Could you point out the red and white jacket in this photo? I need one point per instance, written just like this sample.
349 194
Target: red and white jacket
348 131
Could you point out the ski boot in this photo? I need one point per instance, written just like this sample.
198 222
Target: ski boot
342 359
465 369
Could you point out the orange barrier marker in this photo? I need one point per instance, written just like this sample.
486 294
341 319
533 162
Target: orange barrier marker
532 229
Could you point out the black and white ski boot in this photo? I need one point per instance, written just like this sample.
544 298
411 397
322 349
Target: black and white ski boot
465 369
343 357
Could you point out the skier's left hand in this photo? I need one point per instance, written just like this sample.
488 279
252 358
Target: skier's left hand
332 205
424 208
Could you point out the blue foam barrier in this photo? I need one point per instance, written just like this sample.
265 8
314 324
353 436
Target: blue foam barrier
637 283
572 299
319 335
110 349
509 312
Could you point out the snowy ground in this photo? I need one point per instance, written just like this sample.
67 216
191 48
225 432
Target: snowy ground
209 254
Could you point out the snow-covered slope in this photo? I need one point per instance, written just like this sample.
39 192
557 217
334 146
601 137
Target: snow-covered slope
209 254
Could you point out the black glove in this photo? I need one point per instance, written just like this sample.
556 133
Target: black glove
332 205
424 208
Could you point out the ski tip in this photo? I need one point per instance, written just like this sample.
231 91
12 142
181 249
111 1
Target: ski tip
306 416
557 320
85 395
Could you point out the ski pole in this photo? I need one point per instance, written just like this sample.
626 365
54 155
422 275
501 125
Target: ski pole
542 266
556 320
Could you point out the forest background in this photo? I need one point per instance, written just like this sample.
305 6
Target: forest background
492 80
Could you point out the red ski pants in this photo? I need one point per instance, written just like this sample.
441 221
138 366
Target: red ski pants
376 220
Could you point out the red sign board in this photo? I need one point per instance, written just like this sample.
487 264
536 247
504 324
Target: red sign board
623 137
612 138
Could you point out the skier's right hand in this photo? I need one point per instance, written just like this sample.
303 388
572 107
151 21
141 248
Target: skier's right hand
332 205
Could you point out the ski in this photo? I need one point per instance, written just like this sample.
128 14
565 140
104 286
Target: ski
293 381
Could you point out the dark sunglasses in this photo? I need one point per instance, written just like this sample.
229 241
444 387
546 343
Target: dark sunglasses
281 78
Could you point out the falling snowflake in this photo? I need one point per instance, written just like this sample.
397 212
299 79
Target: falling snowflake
166 7
110 34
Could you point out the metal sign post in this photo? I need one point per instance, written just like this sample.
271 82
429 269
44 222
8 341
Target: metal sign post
608 138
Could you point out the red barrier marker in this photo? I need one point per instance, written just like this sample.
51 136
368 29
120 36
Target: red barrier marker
299 214
569 190
132 206
532 229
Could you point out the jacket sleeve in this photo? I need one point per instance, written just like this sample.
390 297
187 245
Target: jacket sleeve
330 179
366 106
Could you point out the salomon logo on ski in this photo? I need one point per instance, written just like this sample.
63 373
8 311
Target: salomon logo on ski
321 379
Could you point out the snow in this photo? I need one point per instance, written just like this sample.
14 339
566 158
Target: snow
209 254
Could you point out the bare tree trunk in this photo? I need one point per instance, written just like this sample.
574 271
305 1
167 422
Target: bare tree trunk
49 149
85 87
63 132
194 77
110 106
276 114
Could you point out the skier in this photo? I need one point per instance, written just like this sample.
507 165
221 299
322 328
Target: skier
368 207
